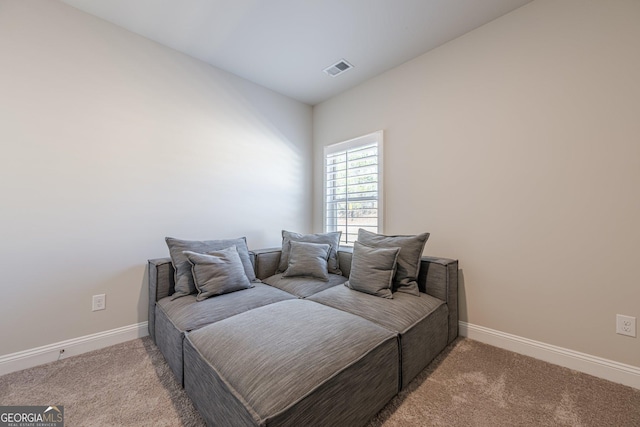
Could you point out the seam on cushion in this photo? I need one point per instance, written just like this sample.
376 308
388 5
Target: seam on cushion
310 392
231 388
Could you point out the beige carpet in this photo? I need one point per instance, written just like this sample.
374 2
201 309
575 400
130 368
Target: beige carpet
469 384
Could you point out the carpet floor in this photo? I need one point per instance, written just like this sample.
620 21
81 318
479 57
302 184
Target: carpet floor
469 384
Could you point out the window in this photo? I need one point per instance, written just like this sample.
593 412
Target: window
353 186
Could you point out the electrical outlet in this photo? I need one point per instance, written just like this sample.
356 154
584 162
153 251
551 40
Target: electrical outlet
626 325
99 302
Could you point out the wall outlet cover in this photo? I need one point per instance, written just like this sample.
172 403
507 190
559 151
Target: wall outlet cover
626 325
99 302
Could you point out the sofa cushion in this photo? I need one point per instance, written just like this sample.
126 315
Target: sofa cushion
184 284
187 314
408 267
421 322
327 368
332 239
217 272
308 259
302 287
175 317
372 270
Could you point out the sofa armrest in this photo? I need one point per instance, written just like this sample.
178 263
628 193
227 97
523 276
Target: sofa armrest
438 277
161 284
266 262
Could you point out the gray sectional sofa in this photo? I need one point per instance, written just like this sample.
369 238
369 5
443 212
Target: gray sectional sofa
294 351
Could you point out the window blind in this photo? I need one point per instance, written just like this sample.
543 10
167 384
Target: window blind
353 186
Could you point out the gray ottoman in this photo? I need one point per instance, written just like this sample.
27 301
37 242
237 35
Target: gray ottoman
291 363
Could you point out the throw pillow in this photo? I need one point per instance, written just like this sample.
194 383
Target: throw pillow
184 284
372 269
332 239
308 259
411 248
218 272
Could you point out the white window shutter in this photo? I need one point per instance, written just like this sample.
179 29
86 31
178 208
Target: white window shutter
353 186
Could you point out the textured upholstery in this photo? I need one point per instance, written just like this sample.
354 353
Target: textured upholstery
420 321
217 272
326 368
308 260
332 239
184 284
161 285
175 317
266 262
411 247
439 277
345 255
303 287
372 270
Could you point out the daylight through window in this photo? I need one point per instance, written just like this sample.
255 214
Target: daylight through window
353 186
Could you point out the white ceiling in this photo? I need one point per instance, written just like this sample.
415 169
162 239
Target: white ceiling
285 44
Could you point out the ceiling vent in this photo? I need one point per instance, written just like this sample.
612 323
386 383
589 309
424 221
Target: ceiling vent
338 68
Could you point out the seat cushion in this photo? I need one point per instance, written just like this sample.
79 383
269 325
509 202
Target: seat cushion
188 314
420 321
175 317
303 287
259 368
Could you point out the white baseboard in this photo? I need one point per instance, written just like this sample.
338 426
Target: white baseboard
592 365
598 367
50 353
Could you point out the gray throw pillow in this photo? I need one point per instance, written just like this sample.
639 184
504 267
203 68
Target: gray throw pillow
184 284
372 269
332 239
411 248
308 259
218 272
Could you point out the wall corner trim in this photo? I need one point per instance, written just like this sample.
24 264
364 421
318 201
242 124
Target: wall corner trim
73 347
598 367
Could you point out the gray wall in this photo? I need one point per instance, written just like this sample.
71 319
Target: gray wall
518 147
110 142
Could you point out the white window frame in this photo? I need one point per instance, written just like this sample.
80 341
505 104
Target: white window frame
352 145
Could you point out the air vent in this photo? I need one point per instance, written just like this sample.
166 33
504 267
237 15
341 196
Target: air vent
338 68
